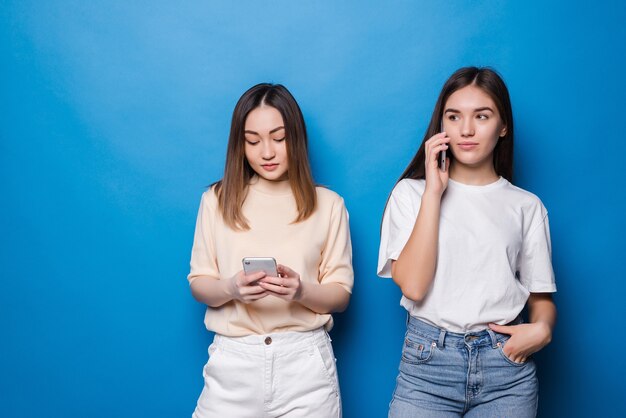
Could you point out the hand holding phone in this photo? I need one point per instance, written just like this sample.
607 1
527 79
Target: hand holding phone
441 159
245 287
287 286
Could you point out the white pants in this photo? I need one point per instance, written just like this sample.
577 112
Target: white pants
286 374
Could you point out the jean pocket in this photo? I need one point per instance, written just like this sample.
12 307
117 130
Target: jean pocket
417 350
500 348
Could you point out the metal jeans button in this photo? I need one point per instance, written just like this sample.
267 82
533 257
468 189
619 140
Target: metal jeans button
268 340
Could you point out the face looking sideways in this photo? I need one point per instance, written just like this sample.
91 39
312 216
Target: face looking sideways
265 143
473 123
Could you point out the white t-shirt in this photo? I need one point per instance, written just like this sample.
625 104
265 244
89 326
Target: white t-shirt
494 250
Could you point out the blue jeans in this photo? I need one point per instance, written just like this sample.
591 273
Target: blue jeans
445 374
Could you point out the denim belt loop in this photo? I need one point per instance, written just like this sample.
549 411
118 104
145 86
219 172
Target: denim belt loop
442 337
494 339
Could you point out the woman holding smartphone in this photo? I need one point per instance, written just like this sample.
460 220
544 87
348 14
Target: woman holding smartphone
468 250
271 355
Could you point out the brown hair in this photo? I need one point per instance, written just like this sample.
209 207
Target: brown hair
232 189
491 83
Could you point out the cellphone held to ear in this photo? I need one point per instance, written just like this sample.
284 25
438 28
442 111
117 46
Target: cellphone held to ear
256 264
442 155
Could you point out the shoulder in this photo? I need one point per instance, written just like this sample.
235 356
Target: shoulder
209 198
525 199
409 189
327 197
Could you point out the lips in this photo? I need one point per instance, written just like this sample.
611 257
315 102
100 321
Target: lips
468 146
269 167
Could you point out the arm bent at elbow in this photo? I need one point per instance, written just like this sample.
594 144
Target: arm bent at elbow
415 267
412 286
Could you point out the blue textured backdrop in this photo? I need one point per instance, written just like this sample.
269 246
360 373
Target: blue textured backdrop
115 117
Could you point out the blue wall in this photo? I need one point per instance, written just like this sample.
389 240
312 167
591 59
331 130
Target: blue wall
115 117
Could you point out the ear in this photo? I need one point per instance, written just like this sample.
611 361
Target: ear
503 132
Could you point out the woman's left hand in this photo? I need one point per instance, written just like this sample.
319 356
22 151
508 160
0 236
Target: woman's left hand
287 286
525 340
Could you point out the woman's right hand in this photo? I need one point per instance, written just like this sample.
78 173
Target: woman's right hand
245 288
436 178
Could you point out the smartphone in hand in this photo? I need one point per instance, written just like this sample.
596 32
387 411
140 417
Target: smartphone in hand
441 158
256 264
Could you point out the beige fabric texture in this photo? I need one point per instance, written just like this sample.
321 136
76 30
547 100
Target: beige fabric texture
319 249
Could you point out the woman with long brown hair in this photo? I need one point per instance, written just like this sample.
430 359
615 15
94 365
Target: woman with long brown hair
271 355
469 250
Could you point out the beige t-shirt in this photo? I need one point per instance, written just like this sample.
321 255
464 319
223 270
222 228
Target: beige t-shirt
318 248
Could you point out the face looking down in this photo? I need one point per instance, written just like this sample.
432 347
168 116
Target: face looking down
265 143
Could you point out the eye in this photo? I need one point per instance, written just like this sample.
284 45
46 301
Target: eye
453 117
279 139
482 116
249 142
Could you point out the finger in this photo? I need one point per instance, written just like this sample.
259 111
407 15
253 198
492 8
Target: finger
253 277
435 150
436 137
506 351
513 356
433 141
256 296
278 281
503 329
517 358
280 290
433 157
286 271
251 290
437 140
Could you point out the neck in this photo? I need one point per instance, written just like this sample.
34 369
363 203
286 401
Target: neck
270 186
474 176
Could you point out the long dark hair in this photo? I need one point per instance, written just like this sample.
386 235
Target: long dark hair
491 83
232 189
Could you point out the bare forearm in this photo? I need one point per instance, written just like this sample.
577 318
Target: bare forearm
542 311
324 298
414 269
210 291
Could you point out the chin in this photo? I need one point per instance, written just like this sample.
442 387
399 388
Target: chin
273 176
469 161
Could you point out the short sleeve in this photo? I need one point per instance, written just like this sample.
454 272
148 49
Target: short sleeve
336 260
535 258
397 225
203 260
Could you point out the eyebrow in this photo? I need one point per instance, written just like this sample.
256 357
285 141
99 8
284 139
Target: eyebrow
479 109
271 132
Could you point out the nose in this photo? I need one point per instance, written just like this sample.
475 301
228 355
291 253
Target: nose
268 151
467 129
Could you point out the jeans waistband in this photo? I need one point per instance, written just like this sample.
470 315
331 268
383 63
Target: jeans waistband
444 337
